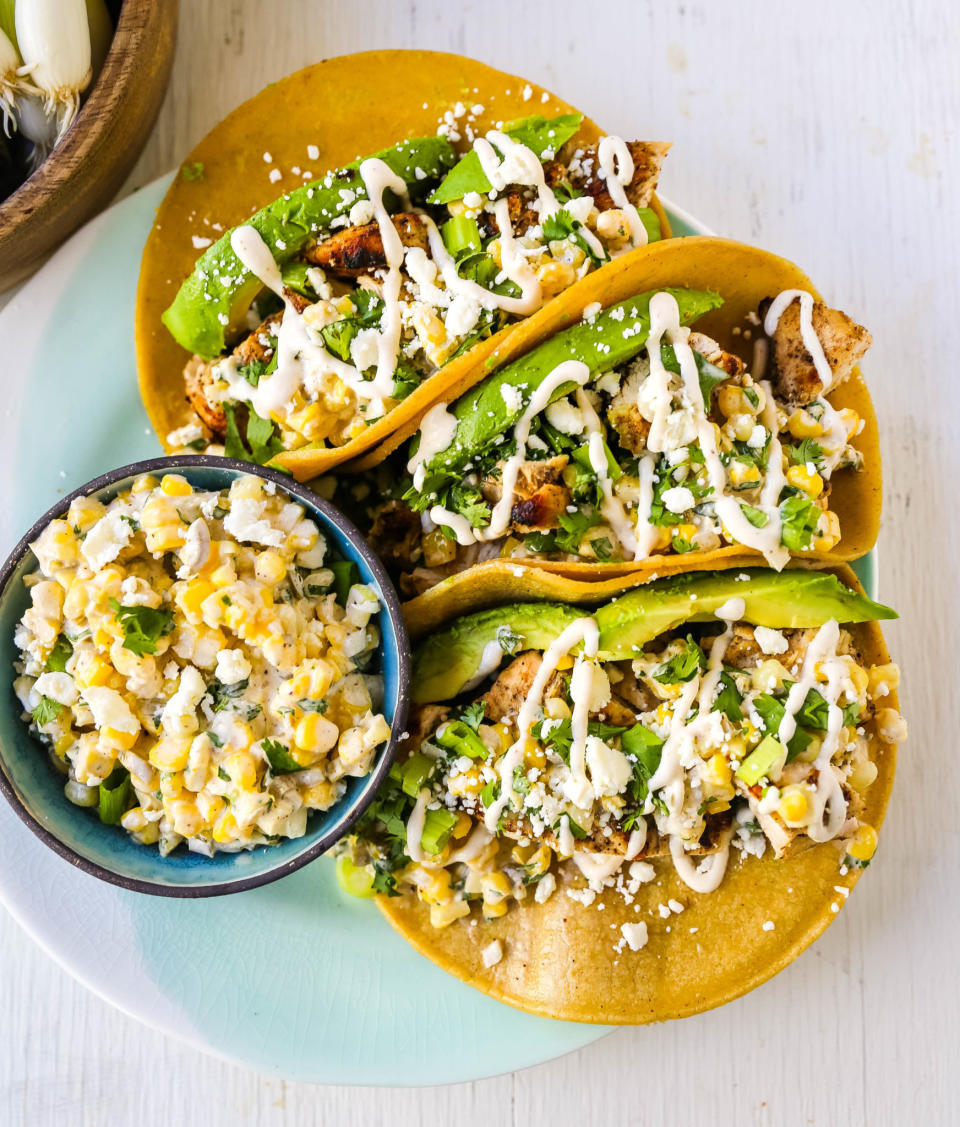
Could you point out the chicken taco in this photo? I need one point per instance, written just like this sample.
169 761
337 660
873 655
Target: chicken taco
640 809
713 410
316 321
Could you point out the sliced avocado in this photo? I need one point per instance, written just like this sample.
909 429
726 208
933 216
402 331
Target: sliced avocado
784 600
447 661
216 296
543 135
613 337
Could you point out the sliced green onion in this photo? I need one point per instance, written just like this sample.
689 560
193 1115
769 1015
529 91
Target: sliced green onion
461 738
761 760
356 880
437 827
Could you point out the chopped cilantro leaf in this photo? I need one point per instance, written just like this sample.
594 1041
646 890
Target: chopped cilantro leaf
143 627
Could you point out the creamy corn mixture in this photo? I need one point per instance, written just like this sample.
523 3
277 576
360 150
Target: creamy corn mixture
194 661
755 738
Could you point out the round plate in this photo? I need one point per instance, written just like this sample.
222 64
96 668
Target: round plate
294 979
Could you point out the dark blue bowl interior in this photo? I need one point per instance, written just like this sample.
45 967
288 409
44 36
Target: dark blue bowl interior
35 787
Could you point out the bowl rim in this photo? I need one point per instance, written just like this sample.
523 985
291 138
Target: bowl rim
330 514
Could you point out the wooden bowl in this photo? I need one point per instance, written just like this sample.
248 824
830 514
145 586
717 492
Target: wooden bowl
88 167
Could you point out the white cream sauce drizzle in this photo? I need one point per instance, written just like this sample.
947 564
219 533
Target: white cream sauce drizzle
581 630
830 806
377 176
611 507
706 876
437 428
489 662
811 342
581 683
296 351
669 777
475 844
570 371
616 163
597 867
415 823
665 322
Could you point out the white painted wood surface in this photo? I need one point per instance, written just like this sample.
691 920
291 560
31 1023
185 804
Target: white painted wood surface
824 131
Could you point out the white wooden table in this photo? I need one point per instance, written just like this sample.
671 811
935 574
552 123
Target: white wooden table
828 132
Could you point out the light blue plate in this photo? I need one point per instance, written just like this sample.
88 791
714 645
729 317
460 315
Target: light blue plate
293 979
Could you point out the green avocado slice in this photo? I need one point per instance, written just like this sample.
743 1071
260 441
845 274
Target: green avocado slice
611 338
447 660
217 295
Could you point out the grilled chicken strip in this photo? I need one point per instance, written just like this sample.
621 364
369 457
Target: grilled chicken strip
844 344
359 250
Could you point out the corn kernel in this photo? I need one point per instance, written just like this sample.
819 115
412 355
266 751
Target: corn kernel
828 532
742 474
242 769
211 806
859 677
316 734
443 914
801 424
225 828
863 844
462 827
495 910
863 775
565 662
555 276
436 888
175 486
557 708
270 568
149 835
319 796
801 478
718 771
794 806
185 816
495 887
534 755
134 820
504 734
850 420
466 783
167 538
247 488
170 754
891 726
882 679
117 738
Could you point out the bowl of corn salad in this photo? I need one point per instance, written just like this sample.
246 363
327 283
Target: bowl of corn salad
208 676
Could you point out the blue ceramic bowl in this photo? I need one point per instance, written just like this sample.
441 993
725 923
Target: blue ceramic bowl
34 788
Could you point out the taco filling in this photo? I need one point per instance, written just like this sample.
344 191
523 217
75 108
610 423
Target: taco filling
680 720
333 304
628 437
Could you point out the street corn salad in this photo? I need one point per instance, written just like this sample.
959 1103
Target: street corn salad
608 741
366 282
628 437
199 664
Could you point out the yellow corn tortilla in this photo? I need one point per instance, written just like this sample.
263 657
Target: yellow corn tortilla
743 276
559 959
347 106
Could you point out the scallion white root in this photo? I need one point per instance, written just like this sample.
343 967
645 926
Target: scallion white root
54 39
12 82
37 126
